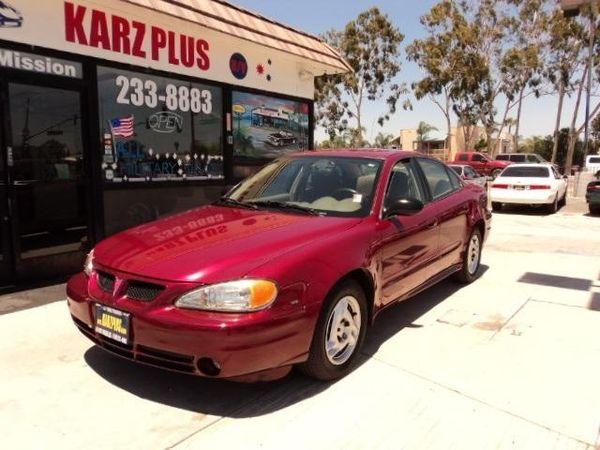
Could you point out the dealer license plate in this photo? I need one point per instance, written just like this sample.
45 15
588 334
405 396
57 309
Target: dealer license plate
112 323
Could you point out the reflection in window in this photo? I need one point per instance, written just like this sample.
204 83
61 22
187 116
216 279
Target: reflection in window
157 129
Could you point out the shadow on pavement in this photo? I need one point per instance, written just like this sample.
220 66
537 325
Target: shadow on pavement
224 398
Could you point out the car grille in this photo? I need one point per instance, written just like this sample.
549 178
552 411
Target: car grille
145 292
106 282
143 354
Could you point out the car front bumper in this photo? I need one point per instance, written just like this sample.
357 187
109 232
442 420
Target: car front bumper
523 197
247 346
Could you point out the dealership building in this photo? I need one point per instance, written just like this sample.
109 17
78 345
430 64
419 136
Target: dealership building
118 112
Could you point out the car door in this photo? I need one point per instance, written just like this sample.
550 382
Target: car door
408 244
451 206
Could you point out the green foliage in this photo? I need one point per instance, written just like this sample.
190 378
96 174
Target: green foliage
371 45
383 140
543 147
423 130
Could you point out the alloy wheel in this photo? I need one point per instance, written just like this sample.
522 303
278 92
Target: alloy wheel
343 330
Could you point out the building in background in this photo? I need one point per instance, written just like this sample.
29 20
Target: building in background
115 113
463 139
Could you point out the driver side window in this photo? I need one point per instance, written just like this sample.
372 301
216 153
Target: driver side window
404 183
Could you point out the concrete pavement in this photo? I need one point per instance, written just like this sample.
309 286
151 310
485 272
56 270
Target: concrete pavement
511 361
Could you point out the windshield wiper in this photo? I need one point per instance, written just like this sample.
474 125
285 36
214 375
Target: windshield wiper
290 206
233 202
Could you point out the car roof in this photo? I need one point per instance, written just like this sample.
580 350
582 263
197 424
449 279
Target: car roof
373 153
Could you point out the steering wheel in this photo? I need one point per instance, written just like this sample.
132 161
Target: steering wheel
342 193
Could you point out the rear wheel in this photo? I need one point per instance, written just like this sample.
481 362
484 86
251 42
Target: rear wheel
496 206
553 207
469 271
339 334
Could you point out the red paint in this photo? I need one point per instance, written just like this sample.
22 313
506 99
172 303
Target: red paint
485 165
120 35
306 255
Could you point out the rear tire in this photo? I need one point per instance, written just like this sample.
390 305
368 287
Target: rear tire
336 342
471 263
553 207
496 206
594 210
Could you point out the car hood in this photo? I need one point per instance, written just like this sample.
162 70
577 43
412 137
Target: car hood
212 243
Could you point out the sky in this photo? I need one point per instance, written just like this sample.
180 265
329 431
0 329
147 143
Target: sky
316 16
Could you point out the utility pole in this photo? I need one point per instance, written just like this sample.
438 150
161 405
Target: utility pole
592 41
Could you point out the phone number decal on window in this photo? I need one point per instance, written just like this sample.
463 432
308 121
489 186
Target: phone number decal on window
137 92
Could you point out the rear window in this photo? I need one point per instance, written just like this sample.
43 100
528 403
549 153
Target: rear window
502 158
517 158
594 160
530 172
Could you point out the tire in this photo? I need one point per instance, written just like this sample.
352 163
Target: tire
594 210
338 362
496 206
563 201
471 262
553 207
495 173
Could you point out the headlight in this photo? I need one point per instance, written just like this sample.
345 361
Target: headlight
88 266
241 295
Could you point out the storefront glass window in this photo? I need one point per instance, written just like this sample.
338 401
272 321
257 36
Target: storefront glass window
158 129
267 127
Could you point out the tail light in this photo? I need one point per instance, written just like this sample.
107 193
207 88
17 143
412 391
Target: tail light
593 187
539 186
500 186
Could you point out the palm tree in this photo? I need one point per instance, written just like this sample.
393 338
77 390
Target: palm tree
383 140
422 131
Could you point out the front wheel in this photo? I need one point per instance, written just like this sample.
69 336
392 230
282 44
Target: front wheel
339 333
469 270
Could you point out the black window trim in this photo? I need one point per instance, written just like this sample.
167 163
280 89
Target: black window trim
433 199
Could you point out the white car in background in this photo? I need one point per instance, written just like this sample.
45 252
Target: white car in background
529 184
468 174
592 163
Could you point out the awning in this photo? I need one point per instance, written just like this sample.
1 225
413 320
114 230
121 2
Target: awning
222 16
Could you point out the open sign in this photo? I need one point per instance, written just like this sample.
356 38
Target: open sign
165 122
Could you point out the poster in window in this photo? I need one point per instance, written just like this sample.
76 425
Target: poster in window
267 127
158 129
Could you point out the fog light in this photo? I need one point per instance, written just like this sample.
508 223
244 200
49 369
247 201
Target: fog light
209 367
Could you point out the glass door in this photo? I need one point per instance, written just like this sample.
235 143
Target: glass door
47 188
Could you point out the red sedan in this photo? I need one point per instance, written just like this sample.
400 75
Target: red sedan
289 268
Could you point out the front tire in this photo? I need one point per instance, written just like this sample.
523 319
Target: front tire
471 263
339 334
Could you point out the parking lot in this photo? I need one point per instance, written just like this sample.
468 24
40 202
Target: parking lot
511 361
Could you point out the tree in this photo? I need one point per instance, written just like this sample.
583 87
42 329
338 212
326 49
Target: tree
422 131
383 140
371 46
564 58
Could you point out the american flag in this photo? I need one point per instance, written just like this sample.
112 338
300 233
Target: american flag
122 127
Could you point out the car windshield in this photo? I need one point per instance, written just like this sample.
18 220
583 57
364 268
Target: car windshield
528 172
457 170
337 186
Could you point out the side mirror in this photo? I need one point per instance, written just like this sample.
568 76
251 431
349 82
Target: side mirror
403 207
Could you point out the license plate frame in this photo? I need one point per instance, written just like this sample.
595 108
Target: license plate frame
112 323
